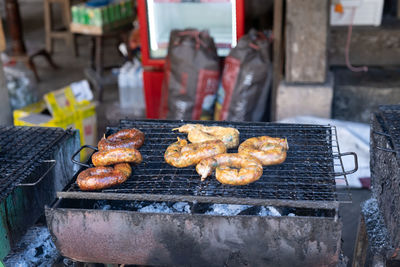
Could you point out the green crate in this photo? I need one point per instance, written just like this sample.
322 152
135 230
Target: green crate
75 14
129 8
126 9
101 16
117 11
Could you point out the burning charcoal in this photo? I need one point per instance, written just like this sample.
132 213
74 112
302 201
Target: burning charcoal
269 211
200 208
182 207
35 249
226 209
39 251
106 207
157 207
251 211
135 205
99 205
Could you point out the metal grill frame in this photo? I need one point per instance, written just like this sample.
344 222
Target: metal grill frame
332 155
24 150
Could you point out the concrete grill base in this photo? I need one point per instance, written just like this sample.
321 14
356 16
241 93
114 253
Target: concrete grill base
385 173
130 237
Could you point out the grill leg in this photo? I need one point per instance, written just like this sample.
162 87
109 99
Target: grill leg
361 246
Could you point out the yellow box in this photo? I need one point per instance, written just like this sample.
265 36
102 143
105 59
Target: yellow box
60 102
60 108
87 124
34 115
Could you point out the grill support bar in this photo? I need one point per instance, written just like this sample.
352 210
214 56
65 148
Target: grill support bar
216 200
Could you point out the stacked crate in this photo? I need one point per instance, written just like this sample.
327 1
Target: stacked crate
102 18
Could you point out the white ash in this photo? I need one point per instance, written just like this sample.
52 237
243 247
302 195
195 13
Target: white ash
269 211
181 207
185 207
101 205
34 249
106 207
156 208
226 209
378 236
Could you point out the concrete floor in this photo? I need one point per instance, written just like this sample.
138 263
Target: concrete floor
71 69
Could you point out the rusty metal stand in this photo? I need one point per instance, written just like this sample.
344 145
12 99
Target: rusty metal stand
19 51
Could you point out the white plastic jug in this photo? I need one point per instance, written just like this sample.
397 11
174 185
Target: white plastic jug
130 85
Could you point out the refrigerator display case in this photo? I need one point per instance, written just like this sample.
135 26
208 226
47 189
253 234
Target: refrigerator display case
224 20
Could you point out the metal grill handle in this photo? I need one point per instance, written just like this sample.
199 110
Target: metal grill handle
385 149
355 163
77 152
42 176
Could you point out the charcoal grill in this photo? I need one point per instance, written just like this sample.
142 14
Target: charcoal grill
385 172
306 181
30 157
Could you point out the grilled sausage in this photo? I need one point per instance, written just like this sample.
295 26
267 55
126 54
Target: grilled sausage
128 138
199 133
116 155
103 177
231 168
181 154
268 150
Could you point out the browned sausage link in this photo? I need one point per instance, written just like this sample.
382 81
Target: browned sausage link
116 155
124 168
268 150
103 177
128 138
232 169
181 154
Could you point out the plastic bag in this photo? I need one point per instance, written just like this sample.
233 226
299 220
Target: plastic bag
130 85
20 83
191 76
246 80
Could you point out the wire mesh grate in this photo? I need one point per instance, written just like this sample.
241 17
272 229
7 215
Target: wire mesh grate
21 152
308 174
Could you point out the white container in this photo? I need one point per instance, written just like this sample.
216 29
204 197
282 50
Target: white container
130 85
367 12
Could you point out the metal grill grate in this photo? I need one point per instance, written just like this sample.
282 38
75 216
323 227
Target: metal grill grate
391 117
22 150
305 179
24 143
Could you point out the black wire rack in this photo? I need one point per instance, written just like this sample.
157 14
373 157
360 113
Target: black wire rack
23 151
307 178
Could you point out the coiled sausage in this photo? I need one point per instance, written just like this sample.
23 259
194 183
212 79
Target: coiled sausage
181 154
268 150
103 177
231 168
116 155
127 138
